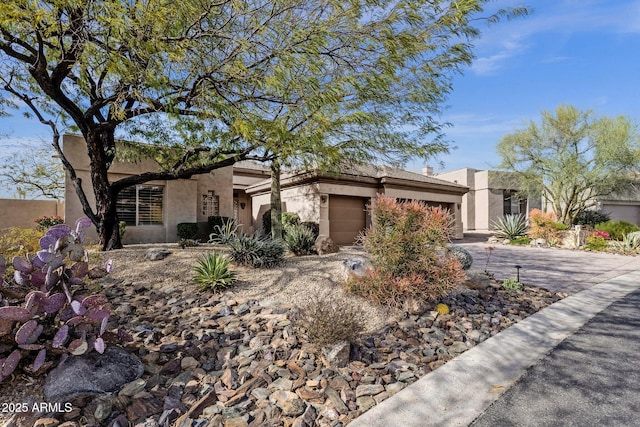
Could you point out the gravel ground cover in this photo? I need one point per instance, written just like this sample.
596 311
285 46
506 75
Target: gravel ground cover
240 357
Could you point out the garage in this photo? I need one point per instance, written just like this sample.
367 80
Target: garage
347 217
623 212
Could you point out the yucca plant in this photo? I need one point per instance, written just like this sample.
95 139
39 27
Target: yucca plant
257 250
213 272
630 243
225 233
510 226
300 239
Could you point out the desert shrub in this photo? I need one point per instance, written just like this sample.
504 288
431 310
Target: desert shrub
16 241
512 284
44 223
57 316
328 320
630 243
463 256
313 226
217 220
187 230
212 272
225 233
591 218
545 225
617 229
290 219
407 244
442 309
596 242
522 240
257 250
300 240
510 226
188 243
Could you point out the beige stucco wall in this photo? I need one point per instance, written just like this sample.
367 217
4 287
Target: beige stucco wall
181 198
466 177
22 213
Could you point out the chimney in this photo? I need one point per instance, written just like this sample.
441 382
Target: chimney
427 171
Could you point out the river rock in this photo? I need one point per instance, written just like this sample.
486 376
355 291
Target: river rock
92 373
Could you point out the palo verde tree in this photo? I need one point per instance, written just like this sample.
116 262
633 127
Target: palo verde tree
572 157
100 66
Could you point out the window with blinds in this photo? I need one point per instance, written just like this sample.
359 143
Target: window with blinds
141 205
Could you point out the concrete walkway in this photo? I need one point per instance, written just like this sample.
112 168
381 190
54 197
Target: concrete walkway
457 393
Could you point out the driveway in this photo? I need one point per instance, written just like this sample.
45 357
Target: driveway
559 270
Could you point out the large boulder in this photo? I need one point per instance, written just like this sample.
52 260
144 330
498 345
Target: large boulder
156 254
93 373
324 245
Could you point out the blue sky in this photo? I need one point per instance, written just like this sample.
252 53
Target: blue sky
580 52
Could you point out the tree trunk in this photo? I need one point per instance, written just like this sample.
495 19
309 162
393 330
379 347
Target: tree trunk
100 144
276 203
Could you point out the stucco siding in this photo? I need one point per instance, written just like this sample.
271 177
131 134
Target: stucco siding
22 213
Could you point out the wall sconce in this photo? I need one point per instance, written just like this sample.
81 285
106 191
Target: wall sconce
243 205
323 200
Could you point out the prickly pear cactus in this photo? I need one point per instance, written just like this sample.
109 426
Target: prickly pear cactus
56 317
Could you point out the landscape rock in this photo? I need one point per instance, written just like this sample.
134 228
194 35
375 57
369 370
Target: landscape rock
325 245
354 267
337 355
156 254
92 373
477 280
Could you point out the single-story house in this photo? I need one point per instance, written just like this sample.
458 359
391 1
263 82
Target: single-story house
337 202
491 195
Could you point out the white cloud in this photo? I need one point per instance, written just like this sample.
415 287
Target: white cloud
501 42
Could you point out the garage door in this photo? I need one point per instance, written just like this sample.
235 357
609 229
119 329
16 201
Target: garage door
629 213
347 217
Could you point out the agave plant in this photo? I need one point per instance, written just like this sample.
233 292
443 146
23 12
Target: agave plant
225 233
630 243
510 226
212 272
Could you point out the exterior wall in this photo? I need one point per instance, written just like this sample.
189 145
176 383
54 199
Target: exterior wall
245 218
483 204
22 213
622 210
303 200
182 198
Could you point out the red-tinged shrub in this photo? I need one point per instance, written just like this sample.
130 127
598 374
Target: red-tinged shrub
407 248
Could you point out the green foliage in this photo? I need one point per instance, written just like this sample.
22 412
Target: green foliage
46 222
217 223
463 255
187 230
224 234
33 176
257 250
213 272
630 243
573 157
314 227
207 84
407 246
52 313
328 320
289 220
16 241
300 239
617 229
512 284
122 229
188 243
522 240
510 226
591 218
596 243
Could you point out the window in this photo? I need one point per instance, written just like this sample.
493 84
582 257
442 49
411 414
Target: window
141 205
512 205
210 204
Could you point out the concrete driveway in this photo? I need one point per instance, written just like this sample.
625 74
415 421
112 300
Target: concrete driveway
559 270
